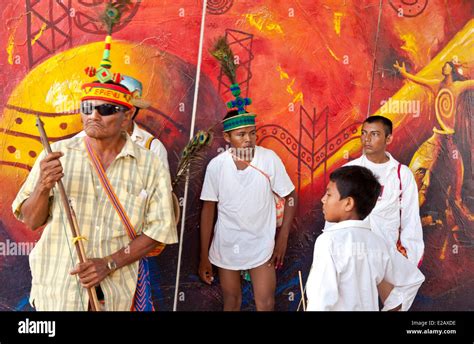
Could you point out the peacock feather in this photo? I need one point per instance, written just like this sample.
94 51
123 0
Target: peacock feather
193 154
223 53
113 13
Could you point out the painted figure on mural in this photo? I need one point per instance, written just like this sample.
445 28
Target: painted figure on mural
438 162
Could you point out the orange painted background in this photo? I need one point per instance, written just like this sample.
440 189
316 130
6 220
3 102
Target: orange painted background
314 70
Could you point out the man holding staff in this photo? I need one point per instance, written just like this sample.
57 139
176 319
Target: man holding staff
121 194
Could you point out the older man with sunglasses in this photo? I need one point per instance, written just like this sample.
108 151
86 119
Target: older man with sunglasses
137 133
121 194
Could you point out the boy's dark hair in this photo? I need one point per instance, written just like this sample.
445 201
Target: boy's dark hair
359 183
454 73
387 124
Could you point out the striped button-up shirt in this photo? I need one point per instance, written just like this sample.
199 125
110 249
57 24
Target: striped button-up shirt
142 185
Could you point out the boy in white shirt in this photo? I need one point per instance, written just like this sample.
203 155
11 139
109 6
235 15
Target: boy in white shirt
241 182
350 261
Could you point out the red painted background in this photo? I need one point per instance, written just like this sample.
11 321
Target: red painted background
314 70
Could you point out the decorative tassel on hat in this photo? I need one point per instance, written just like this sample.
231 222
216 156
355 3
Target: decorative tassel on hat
110 17
103 74
223 53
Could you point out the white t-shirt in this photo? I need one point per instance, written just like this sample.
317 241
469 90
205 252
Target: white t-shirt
385 218
244 234
349 262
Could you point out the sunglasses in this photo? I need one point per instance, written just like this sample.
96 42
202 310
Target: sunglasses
88 108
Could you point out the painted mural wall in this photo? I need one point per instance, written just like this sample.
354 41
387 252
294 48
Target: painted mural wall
315 69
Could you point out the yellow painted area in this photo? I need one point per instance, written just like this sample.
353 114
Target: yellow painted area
64 96
289 87
38 35
253 21
332 53
274 27
23 146
11 44
12 178
283 74
52 125
298 98
262 22
10 47
337 22
409 44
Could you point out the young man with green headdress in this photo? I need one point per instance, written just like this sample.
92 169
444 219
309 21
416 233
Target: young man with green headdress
240 183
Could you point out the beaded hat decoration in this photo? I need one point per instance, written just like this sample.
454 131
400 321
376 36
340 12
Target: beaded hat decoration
223 53
102 89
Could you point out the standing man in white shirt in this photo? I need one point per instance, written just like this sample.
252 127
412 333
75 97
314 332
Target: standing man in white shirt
350 261
240 183
396 216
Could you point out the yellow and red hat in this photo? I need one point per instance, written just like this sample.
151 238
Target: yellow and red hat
107 92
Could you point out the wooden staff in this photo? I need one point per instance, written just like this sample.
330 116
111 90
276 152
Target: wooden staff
302 291
71 217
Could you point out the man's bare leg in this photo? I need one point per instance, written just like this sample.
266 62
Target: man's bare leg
264 284
231 289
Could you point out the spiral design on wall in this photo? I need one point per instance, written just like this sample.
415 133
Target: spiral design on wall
445 103
409 8
218 7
